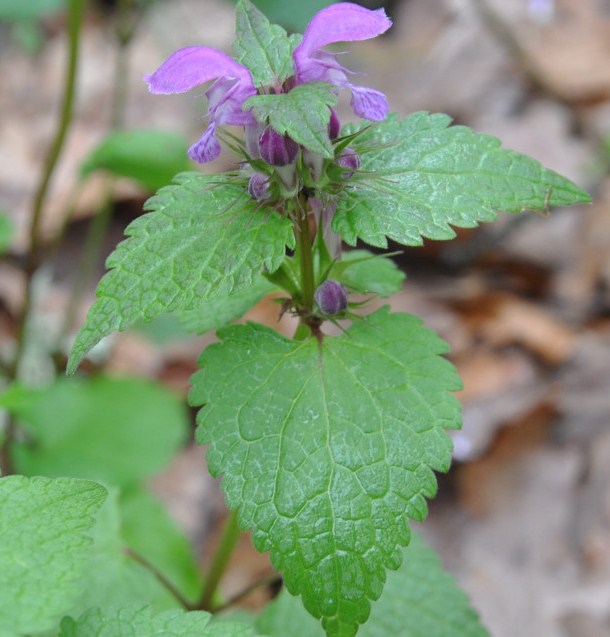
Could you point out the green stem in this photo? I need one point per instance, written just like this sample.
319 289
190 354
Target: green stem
306 260
230 535
75 14
159 577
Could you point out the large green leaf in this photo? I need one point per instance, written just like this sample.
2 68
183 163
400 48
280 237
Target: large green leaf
43 548
139 621
113 430
261 46
325 448
424 176
420 599
303 114
203 237
150 157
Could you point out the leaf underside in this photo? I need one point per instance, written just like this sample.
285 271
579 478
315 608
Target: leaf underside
420 176
325 472
203 237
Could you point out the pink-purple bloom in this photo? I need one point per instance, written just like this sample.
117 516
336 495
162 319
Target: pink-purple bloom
196 65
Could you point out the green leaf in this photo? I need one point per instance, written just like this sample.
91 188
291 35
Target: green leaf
113 430
139 621
149 531
112 576
369 273
424 176
293 15
17 10
302 114
6 232
261 46
150 157
221 311
325 472
44 548
420 599
203 238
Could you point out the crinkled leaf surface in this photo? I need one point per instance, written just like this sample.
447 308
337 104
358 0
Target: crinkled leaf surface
139 621
369 273
218 312
150 157
420 599
261 46
109 429
148 530
203 237
303 114
325 450
44 546
430 176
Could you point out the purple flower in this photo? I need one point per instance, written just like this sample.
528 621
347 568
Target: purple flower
342 22
195 65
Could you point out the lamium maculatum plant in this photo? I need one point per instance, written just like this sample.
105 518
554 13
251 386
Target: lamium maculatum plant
327 444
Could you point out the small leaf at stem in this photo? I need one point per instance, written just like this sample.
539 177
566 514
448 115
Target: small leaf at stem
303 114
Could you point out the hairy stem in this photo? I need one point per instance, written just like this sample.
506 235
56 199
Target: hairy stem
230 535
306 259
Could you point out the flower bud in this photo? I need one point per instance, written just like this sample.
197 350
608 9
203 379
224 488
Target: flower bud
334 125
350 160
276 149
258 187
331 297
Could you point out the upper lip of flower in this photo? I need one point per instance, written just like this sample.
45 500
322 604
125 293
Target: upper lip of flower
196 65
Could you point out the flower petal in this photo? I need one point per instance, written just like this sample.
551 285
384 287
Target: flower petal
369 103
192 66
207 148
225 99
342 22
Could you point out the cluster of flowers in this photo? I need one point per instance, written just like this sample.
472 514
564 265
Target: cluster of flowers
233 85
